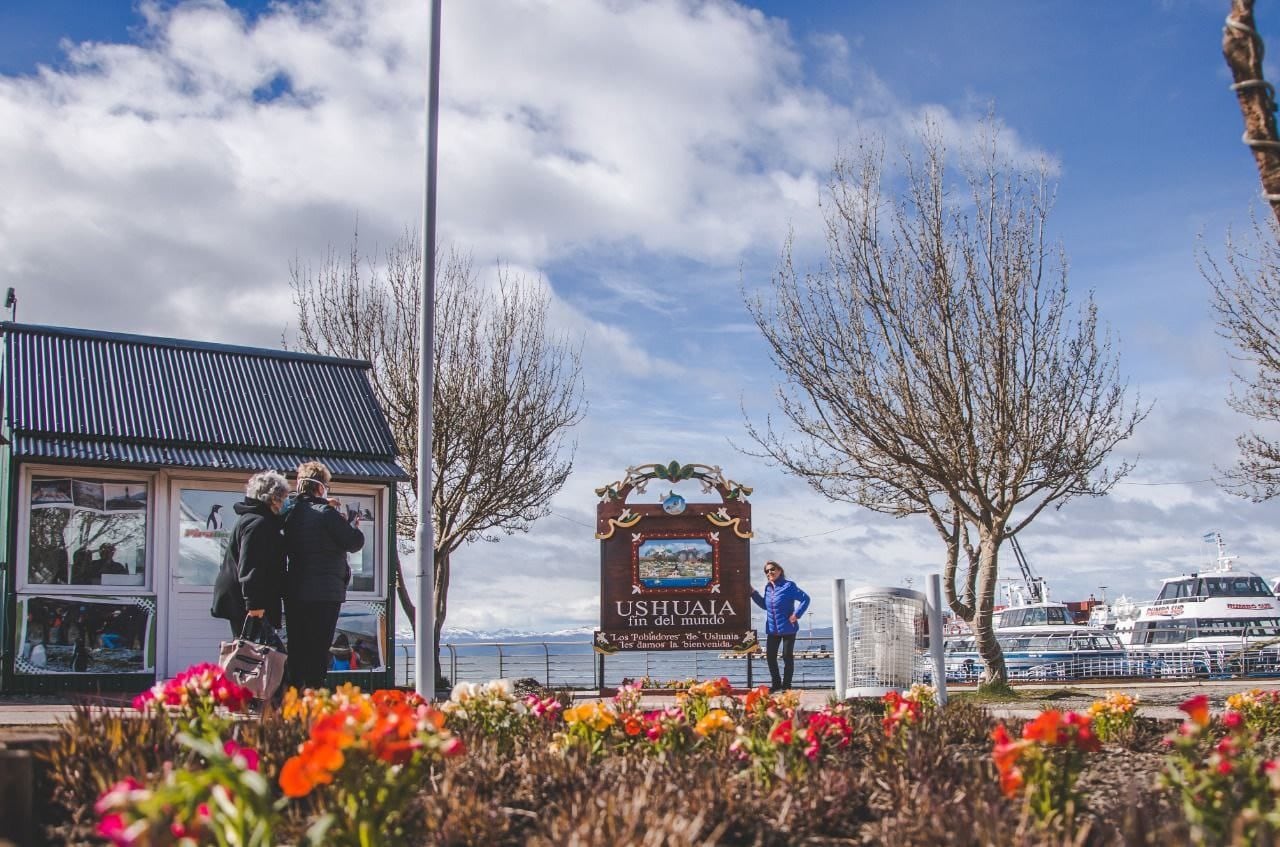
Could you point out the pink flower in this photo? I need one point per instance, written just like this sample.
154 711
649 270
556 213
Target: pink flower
120 832
1233 720
119 794
246 757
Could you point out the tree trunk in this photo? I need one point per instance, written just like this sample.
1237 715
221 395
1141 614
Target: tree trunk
1242 47
406 602
442 606
992 656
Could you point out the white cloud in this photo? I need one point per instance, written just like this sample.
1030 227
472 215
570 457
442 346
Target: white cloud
630 156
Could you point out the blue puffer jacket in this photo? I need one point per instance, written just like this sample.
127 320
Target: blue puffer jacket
781 600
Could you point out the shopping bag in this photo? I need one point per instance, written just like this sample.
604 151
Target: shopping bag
257 664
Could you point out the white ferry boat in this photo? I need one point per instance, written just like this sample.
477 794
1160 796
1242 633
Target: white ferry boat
1217 609
1039 638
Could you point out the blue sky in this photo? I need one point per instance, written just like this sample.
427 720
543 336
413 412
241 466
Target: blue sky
644 161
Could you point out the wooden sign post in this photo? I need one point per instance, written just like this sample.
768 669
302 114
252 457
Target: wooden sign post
674 575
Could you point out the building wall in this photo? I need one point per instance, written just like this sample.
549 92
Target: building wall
134 633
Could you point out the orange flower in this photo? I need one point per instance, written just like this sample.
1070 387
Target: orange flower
314 765
1011 781
1197 709
1006 751
755 697
633 725
1047 728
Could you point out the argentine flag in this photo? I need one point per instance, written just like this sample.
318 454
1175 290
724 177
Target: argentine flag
1210 536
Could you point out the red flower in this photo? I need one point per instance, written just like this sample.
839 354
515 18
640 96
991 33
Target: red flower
1197 709
782 733
1233 720
633 725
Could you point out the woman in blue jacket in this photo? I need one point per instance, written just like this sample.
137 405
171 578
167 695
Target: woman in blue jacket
783 603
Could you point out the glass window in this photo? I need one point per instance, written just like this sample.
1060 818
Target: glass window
87 531
361 511
205 520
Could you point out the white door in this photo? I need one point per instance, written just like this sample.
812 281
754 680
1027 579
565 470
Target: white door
203 520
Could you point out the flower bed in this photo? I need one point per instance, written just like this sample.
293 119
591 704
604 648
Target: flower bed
492 767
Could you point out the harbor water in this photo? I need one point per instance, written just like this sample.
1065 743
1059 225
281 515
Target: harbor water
573 664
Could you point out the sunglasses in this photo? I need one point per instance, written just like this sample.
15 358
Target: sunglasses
770 570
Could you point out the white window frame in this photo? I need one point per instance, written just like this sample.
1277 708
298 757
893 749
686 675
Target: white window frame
381 504
23 526
195 479
378 539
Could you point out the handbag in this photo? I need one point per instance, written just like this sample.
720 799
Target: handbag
257 664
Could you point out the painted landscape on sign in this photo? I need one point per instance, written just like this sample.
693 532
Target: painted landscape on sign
675 563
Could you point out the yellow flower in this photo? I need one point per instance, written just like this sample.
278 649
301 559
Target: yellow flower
716 720
597 716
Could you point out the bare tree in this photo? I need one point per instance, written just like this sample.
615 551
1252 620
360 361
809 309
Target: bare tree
507 389
934 365
1246 292
1246 303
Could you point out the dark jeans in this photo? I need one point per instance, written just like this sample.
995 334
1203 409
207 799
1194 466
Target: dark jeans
788 642
311 627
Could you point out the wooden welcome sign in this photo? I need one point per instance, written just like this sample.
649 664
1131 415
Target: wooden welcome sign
674 575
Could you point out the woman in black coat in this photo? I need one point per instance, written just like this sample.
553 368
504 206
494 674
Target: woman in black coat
250 582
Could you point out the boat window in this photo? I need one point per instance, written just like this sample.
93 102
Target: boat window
1176 590
1034 617
1013 617
1057 616
1040 642
1263 628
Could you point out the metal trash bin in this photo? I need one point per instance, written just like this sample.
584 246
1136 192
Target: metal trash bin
883 631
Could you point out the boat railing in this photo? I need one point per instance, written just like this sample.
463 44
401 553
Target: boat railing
573 664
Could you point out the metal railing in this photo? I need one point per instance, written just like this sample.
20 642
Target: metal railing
573 664
1202 663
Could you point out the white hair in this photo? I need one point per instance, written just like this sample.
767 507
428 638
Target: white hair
266 485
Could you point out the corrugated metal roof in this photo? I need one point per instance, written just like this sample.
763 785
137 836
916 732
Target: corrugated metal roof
79 392
149 455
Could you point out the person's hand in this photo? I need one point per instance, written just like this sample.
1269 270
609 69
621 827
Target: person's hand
794 619
255 613
335 502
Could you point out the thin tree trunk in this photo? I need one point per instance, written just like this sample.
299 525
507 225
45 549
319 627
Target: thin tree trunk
983 627
406 602
1242 47
442 603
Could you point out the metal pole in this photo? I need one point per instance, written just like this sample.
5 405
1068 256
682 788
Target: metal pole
424 537
935 638
839 638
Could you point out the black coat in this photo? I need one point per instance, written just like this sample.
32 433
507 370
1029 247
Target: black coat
318 539
253 568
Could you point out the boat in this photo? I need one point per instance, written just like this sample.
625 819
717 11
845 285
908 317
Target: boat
1040 640
1221 608
1118 615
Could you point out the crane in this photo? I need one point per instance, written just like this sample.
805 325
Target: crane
1035 584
